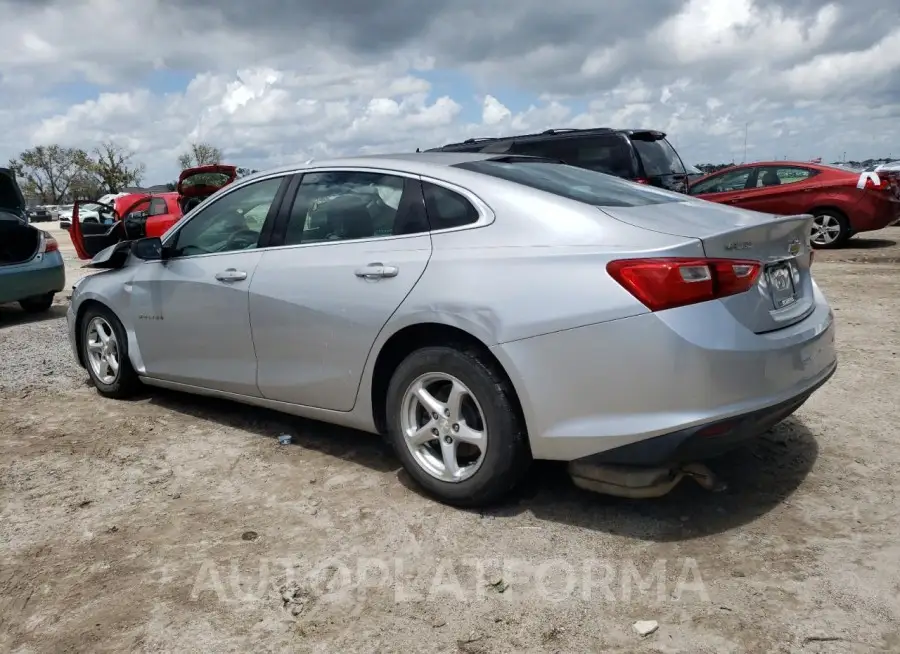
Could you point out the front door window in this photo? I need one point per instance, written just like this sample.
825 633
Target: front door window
232 223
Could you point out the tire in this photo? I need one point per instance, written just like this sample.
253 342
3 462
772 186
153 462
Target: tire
827 218
37 304
506 456
124 382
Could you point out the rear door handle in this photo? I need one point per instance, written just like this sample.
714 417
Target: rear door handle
231 275
376 271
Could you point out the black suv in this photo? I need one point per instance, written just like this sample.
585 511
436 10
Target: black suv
641 155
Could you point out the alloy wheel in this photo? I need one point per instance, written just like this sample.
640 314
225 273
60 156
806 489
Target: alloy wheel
103 350
444 427
826 229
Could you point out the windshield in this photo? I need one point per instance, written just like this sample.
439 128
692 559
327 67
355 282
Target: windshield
658 157
574 183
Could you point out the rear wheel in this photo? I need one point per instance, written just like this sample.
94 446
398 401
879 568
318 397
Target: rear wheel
830 229
37 304
105 349
453 423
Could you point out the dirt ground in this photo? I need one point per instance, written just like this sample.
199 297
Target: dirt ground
174 523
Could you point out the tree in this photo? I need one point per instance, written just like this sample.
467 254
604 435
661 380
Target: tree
48 171
113 167
200 154
85 186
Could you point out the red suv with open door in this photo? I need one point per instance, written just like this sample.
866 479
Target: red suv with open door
138 215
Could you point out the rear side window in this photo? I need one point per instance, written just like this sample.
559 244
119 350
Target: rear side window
447 209
658 157
605 154
780 175
574 183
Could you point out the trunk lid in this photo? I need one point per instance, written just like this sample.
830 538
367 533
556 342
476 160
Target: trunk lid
203 181
784 294
11 198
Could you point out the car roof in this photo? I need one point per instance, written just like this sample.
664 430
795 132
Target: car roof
413 163
548 135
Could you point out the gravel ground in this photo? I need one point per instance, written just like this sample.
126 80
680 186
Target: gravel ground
173 523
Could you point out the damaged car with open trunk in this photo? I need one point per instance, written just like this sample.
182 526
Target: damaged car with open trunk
31 266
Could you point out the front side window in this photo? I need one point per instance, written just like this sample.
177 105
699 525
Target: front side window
733 180
233 222
780 175
349 205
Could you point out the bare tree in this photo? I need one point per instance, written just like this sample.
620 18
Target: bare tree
47 171
112 165
200 154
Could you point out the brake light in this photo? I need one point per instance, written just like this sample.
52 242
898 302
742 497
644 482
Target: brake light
642 180
674 282
50 244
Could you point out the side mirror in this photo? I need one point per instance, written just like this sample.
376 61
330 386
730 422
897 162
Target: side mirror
148 249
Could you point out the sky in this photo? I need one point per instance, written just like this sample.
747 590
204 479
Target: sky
272 82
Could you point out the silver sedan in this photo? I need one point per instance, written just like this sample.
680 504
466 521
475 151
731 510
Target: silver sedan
480 311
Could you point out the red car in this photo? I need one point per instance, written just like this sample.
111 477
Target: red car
842 202
138 215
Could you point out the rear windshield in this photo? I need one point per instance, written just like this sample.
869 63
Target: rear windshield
574 183
658 157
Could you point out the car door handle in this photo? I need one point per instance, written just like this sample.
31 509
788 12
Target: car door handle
231 275
377 271
737 199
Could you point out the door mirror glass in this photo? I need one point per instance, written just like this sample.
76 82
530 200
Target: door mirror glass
148 249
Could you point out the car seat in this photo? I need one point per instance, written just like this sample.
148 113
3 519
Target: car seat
770 178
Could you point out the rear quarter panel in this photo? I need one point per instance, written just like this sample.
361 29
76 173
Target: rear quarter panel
539 267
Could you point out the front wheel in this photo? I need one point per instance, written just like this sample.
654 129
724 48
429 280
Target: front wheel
105 349
829 229
453 423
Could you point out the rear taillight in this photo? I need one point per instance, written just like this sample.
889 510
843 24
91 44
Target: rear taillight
675 282
642 180
49 244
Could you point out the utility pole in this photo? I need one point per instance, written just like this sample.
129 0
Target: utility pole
746 125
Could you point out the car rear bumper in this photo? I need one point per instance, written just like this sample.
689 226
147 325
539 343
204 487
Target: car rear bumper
32 278
874 213
601 387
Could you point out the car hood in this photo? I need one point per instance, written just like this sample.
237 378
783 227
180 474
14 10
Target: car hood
10 195
205 180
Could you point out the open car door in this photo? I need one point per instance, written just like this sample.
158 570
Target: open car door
89 238
197 184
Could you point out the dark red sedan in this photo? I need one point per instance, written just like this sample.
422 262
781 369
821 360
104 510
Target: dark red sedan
843 202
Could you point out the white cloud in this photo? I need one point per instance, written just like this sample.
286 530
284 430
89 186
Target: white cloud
274 86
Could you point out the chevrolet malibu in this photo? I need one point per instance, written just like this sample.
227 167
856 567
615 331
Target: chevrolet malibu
480 311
